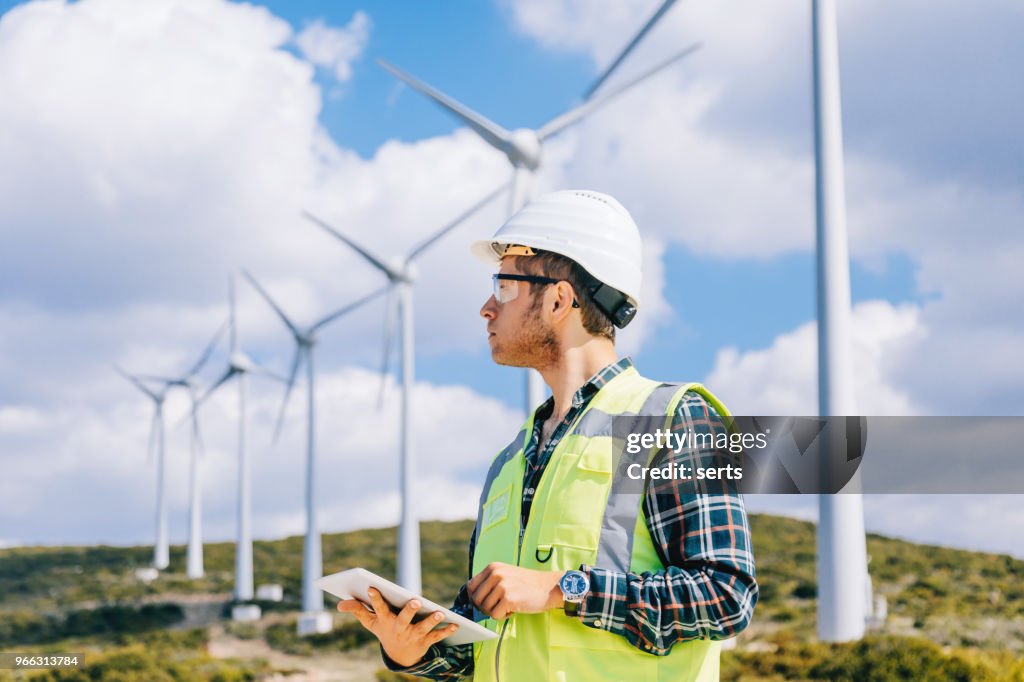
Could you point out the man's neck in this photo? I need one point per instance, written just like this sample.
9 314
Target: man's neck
576 365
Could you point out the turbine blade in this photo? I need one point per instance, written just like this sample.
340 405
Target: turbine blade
455 223
665 6
230 372
563 121
138 384
376 262
231 303
296 360
257 368
491 132
185 419
389 330
347 309
208 351
280 313
153 377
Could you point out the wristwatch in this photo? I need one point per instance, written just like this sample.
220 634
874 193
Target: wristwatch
574 586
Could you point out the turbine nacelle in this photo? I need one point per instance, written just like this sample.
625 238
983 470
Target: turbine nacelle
524 149
240 362
402 271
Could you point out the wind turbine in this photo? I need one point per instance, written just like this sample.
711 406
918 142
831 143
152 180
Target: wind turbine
524 147
401 276
655 18
313 618
842 552
239 367
161 554
190 382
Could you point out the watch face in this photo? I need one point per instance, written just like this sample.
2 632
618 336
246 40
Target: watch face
574 584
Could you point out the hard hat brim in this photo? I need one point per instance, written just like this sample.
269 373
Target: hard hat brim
483 249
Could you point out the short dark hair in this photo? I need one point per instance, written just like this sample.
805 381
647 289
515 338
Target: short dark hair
551 264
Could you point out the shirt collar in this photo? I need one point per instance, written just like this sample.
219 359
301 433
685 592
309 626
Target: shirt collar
588 389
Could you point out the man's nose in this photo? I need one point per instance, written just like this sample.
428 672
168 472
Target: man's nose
489 310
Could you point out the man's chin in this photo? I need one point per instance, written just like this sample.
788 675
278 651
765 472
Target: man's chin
504 360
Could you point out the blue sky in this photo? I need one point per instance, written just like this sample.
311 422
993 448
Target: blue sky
468 50
152 148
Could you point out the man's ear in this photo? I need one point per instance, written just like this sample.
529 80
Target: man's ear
563 300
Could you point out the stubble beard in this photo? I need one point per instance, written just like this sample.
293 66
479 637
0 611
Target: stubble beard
535 346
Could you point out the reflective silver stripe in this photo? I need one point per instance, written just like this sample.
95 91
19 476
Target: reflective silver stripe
615 547
503 458
593 423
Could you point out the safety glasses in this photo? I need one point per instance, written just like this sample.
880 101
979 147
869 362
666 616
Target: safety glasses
506 287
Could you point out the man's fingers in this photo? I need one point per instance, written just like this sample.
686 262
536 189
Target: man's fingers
357 609
429 623
439 634
380 607
492 602
484 591
480 577
408 611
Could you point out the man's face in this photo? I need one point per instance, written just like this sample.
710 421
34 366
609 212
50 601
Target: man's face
517 331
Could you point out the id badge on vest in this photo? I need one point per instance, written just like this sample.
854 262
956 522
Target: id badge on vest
496 508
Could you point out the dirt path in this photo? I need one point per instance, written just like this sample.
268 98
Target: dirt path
355 666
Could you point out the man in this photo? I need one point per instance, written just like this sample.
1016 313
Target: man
582 580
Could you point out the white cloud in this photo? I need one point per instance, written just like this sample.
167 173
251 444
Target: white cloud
715 154
984 523
989 523
335 48
782 379
96 471
153 147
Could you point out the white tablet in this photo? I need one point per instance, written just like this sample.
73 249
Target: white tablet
354 584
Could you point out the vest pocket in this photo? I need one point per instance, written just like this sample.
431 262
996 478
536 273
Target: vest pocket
583 653
583 483
567 549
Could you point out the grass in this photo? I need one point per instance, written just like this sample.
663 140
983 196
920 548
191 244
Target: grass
953 614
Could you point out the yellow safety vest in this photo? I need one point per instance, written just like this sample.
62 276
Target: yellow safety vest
578 518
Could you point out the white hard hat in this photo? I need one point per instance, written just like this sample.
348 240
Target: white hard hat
590 228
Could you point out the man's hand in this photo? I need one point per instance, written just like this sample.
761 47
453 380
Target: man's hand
404 642
503 589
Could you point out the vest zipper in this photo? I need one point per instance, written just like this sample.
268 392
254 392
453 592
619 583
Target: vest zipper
519 552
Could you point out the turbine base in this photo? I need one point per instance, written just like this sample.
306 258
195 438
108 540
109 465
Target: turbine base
315 623
246 613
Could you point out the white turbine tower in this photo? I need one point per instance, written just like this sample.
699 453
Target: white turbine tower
314 618
524 147
401 276
190 382
842 552
161 554
239 367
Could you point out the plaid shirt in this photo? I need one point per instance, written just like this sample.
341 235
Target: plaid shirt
708 588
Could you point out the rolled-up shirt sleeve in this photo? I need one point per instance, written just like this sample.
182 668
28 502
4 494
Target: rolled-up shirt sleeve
708 588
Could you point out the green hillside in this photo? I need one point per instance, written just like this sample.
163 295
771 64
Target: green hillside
953 615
